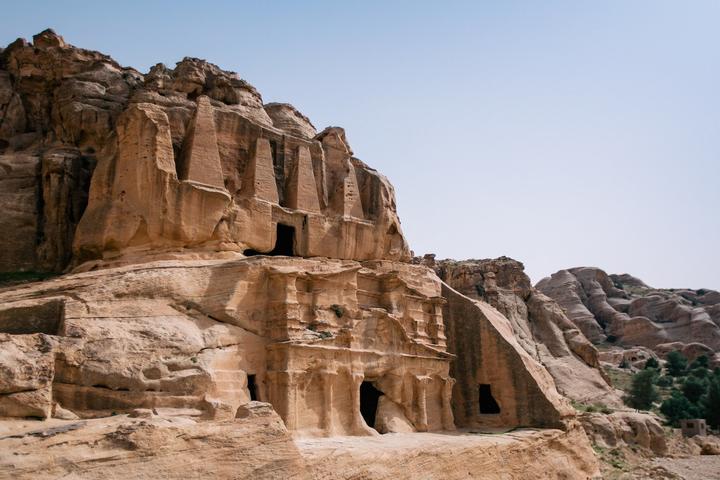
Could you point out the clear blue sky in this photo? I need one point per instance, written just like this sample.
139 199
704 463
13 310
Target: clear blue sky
558 133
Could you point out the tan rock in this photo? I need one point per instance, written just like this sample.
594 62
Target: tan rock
626 428
287 118
538 323
239 281
625 310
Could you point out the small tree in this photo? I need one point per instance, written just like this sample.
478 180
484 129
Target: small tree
652 363
700 372
693 388
711 403
643 391
678 407
665 381
701 361
676 363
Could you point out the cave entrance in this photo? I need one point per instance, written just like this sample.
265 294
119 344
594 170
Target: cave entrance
488 404
252 387
284 243
369 397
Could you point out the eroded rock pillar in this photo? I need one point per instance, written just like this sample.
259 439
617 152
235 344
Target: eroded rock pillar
328 379
355 382
447 415
421 398
284 396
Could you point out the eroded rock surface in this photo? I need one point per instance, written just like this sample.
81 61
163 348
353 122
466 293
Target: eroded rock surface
538 324
623 310
235 279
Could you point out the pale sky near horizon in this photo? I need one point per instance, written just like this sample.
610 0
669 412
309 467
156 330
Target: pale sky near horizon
559 133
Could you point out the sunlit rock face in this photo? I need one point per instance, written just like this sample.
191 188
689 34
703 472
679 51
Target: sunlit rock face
538 325
231 276
301 298
180 159
623 310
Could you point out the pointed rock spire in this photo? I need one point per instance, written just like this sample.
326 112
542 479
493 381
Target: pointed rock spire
200 159
260 177
302 192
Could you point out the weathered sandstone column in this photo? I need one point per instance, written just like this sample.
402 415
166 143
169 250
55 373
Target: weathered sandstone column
447 416
421 383
355 381
328 379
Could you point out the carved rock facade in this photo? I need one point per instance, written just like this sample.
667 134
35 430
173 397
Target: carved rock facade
221 251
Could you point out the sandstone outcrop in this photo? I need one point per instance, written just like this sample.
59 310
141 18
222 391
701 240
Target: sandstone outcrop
623 310
538 324
626 429
234 282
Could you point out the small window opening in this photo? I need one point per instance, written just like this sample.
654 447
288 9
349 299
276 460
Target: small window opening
252 387
369 398
487 401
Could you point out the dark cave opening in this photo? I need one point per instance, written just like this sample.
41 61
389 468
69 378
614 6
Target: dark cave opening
369 398
284 243
252 387
488 404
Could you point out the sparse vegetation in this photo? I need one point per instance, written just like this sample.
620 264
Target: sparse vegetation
338 309
652 363
676 363
643 392
689 391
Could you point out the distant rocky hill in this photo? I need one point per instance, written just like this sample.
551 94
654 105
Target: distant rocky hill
623 310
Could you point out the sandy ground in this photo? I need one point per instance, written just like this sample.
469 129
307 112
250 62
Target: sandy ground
702 467
516 454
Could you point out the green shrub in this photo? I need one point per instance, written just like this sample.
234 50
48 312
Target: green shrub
693 388
711 403
676 363
678 407
652 363
700 372
643 391
700 362
665 381
338 309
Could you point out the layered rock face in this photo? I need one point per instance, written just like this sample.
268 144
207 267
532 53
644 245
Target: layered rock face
219 252
182 158
536 322
622 309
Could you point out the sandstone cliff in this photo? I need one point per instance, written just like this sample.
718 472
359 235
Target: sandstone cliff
623 310
236 287
540 326
179 158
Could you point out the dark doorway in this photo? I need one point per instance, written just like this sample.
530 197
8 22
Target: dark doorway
487 401
369 396
252 387
284 243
